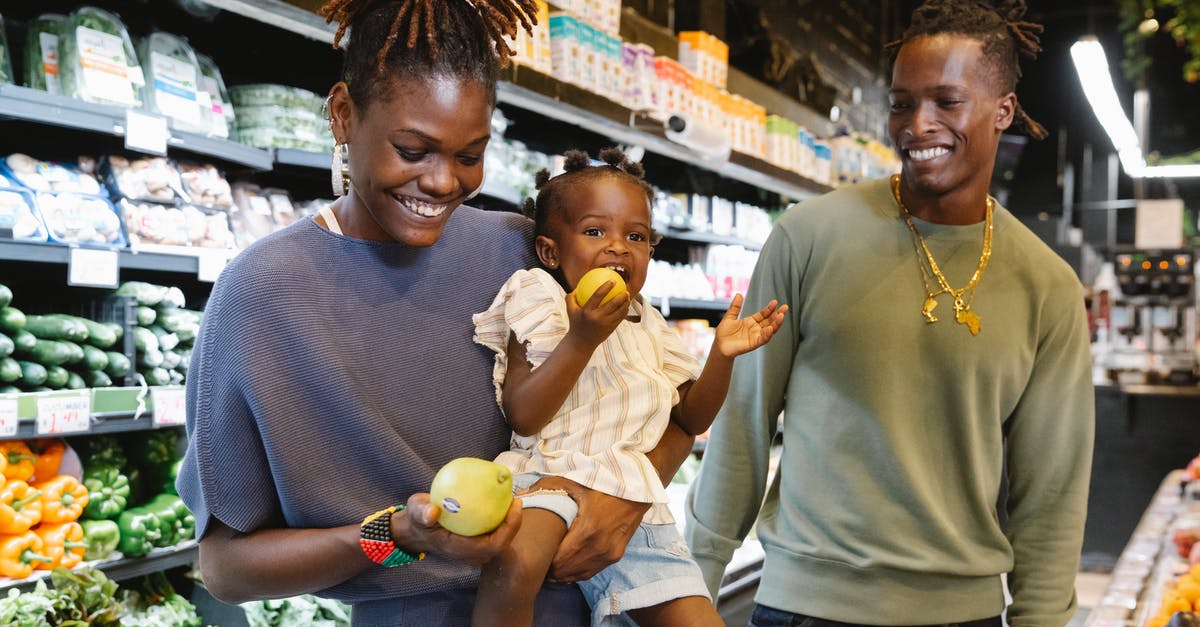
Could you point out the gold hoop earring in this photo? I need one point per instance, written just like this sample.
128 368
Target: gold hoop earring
340 170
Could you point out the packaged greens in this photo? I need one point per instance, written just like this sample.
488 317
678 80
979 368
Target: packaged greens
261 95
41 53
172 76
220 114
97 62
6 71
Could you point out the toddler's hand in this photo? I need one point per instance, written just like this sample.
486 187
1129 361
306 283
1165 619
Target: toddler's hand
592 323
735 337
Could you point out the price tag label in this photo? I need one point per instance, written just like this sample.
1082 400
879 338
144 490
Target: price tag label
91 267
170 409
210 264
64 413
145 132
8 417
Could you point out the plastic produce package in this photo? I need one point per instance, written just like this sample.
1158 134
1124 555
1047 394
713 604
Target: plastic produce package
6 71
152 223
152 178
282 210
47 176
221 118
16 213
205 185
41 53
172 75
208 227
266 94
97 62
251 216
72 218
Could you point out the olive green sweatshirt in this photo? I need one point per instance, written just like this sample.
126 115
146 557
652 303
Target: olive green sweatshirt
896 431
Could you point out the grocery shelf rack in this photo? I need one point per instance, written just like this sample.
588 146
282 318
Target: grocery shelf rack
122 568
114 410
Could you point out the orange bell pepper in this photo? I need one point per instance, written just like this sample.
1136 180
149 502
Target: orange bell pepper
63 544
63 499
20 507
18 554
20 460
49 456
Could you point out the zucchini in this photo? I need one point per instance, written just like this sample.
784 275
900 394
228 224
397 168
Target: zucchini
6 345
147 294
150 359
56 377
118 365
156 376
23 341
5 296
74 381
50 353
144 339
96 379
54 327
94 358
9 389
10 370
32 374
146 316
11 319
100 334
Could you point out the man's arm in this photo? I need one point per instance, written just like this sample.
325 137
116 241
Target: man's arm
1049 445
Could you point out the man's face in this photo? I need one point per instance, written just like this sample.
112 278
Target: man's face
946 114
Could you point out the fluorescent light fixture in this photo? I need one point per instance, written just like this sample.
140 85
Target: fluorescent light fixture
1094 75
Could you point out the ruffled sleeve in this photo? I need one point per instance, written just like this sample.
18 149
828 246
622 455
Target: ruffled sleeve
678 363
529 306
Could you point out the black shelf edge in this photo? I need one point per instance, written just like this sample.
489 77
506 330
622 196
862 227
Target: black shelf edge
282 15
22 103
123 568
704 237
693 304
185 261
302 158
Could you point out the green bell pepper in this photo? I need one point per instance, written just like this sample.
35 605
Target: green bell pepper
173 516
103 450
102 537
169 483
108 492
140 531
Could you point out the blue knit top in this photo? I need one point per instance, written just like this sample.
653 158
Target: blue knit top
333 376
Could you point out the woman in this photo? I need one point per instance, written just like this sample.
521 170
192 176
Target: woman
335 372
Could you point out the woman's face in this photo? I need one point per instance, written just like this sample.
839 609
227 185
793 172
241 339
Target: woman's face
416 153
603 223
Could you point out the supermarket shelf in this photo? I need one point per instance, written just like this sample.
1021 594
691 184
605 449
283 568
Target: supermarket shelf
182 260
114 410
302 158
1140 389
281 14
665 304
22 103
123 568
704 237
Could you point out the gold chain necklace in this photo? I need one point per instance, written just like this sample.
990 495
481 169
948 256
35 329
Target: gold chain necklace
962 306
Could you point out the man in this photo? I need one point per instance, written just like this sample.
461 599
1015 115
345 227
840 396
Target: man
935 345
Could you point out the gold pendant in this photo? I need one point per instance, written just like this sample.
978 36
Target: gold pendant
927 310
968 317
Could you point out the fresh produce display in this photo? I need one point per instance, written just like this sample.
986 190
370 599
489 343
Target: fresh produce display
278 116
41 52
83 596
20 554
172 78
301 610
20 508
48 455
63 499
97 62
63 543
154 603
17 464
108 490
221 116
102 537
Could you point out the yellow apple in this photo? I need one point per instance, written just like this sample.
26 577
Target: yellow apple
593 279
474 495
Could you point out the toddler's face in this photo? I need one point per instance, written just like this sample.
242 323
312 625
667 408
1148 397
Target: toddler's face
606 224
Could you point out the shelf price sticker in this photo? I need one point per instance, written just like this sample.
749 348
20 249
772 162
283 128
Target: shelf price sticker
210 264
170 408
8 417
146 133
93 267
68 412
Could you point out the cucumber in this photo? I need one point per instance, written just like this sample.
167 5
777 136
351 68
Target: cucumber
173 299
6 345
166 340
23 341
55 328
75 352
146 316
32 374
171 360
118 330
156 376
11 319
74 381
79 330
176 377
147 295
144 339
56 377
150 359
9 389
50 353
10 370
118 365
96 379
94 358
185 361
100 334
5 296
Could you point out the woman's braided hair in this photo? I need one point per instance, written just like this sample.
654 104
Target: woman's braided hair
458 38
577 170
998 25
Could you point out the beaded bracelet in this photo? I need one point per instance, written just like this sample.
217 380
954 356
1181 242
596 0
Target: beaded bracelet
376 539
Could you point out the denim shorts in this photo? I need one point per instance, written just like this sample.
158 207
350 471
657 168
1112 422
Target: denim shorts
657 566
764 616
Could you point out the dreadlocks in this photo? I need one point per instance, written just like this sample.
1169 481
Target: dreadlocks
998 25
461 38
578 169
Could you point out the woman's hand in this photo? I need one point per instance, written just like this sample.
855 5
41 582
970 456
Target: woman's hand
593 322
735 337
416 530
599 534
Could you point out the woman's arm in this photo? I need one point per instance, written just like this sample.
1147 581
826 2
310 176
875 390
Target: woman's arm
275 563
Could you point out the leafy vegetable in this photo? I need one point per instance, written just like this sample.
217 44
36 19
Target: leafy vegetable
80 598
73 79
302 610
42 38
154 603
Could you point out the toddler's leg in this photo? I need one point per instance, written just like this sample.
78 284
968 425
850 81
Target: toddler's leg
510 582
691 611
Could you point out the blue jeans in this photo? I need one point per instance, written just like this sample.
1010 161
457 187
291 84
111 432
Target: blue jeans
770 617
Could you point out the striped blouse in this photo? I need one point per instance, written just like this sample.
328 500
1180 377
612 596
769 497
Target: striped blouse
618 409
